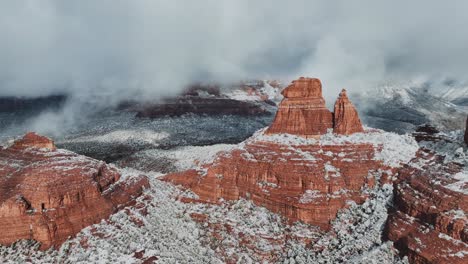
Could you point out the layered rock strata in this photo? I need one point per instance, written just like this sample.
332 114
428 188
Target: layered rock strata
429 221
300 176
303 112
306 182
48 194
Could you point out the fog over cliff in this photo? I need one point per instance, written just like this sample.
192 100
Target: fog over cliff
118 49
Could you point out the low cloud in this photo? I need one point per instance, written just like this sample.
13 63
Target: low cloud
109 50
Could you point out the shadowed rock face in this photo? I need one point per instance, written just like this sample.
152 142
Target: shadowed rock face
48 194
303 112
428 223
197 105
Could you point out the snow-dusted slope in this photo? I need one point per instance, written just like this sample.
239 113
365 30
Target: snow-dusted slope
457 94
402 107
162 228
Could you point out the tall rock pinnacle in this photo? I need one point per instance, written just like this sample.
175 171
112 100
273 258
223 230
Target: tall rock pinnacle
346 118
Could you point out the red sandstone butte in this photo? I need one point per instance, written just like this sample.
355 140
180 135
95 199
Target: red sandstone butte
429 222
309 182
303 112
302 181
346 118
49 195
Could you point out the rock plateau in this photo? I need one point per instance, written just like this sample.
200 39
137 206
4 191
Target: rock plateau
302 178
49 194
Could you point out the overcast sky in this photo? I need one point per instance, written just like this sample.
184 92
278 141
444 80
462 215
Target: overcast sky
155 47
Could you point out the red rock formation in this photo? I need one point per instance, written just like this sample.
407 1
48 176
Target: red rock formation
48 194
346 118
302 111
307 182
429 223
32 140
302 182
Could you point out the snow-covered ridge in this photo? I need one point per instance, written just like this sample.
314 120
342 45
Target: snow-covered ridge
395 149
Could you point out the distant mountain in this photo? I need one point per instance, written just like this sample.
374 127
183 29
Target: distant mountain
456 93
402 107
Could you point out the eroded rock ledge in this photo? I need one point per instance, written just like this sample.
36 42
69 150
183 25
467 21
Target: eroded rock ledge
48 194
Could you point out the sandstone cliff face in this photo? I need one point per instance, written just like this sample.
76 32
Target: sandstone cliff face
303 112
346 118
309 183
302 176
429 222
48 194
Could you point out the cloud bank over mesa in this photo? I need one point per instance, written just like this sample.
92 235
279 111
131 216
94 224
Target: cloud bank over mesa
119 49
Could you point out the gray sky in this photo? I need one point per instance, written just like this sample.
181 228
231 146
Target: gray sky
152 48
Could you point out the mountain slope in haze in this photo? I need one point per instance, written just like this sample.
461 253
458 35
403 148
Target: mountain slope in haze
401 108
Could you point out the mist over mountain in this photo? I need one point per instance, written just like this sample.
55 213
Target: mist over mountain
147 49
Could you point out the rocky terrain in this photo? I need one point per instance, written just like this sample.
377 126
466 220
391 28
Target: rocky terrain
48 194
307 180
402 107
244 99
428 222
314 187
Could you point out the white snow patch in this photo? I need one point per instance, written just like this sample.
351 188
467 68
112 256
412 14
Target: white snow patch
395 149
461 185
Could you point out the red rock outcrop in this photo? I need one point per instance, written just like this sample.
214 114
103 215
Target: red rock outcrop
429 222
32 140
302 111
49 195
346 118
308 182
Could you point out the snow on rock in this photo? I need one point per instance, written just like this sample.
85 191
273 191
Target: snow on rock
277 170
48 194
173 160
460 184
391 148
